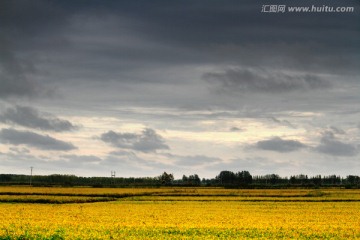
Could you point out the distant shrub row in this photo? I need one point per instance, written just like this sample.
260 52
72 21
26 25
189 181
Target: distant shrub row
241 179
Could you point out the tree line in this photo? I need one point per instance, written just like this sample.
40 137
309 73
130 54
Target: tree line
241 179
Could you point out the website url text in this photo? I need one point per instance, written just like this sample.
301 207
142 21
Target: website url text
308 9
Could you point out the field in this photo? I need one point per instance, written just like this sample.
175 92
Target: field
178 213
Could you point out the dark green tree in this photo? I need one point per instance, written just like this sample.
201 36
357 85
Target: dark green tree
243 178
226 178
166 178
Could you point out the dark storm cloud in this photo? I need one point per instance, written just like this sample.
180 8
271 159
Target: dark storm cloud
94 40
280 145
330 145
233 25
32 118
245 80
24 25
147 141
31 139
13 74
233 33
225 33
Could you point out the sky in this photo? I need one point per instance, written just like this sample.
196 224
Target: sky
187 87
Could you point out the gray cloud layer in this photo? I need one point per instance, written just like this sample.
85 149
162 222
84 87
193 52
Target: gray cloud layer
280 145
43 142
282 122
155 62
122 41
31 118
329 145
13 80
244 80
147 141
332 146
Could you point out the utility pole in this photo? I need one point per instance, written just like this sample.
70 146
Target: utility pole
31 170
113 177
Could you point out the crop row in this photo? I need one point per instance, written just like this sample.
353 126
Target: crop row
181 220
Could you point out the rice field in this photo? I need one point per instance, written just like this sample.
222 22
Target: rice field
181 213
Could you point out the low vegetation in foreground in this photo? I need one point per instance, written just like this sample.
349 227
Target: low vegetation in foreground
178 213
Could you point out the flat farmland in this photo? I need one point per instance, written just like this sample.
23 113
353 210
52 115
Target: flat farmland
179 213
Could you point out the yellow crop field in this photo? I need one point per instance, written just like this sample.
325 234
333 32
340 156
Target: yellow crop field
210 214
79 190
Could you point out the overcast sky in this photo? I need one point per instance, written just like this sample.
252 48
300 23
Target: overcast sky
190 86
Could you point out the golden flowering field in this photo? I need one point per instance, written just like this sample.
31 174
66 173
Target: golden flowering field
221 215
